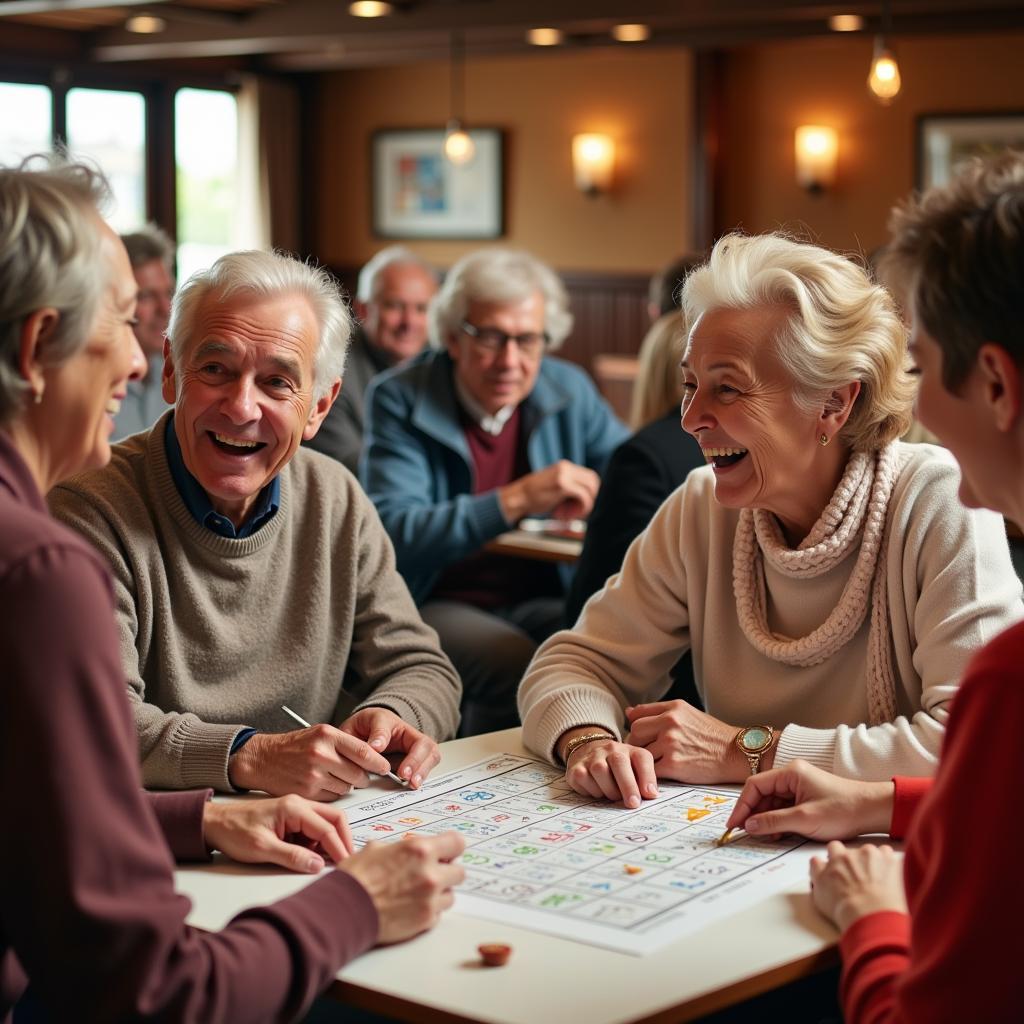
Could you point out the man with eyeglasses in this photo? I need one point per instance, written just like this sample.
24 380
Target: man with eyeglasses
463 442
394 290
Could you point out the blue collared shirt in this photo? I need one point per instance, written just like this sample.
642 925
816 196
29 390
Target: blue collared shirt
197 501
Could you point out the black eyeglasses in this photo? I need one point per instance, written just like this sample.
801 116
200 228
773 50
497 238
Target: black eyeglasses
492 340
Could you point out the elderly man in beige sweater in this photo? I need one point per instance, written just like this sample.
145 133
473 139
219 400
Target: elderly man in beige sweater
251 574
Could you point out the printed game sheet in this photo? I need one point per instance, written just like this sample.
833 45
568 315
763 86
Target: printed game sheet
542 857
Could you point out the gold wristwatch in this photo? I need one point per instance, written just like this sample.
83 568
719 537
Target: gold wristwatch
754 740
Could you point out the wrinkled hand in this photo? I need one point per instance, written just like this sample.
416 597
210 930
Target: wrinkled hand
808 801
612 770
410 881
853 883
563 489
290 831
321 763
688 745
385 732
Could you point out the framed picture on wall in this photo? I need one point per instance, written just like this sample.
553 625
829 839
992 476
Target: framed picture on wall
417 193
944 141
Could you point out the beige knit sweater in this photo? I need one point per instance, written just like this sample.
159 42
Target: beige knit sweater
217 633
951 588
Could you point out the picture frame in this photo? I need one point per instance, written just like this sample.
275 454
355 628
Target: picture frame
417 193
945 141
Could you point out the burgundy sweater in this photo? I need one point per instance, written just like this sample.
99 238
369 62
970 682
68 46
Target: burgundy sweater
88 911
956 957
484 579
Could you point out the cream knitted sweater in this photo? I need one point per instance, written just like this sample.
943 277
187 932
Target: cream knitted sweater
217 633
951 588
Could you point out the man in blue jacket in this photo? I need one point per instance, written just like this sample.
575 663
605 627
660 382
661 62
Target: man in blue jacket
477 433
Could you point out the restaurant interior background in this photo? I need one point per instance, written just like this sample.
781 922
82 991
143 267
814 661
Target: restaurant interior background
702 114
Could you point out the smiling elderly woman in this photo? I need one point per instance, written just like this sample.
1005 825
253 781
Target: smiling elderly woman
829 583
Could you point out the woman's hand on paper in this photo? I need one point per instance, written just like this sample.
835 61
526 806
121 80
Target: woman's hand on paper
608 769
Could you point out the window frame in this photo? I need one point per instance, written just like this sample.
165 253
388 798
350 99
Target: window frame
158 92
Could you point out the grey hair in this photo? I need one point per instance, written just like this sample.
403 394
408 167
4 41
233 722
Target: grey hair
498 275
366 289
147 244
842 326
270 274
49 256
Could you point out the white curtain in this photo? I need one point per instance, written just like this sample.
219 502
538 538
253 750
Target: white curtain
268 164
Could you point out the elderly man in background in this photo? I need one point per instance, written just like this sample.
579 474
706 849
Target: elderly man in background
392 296
250 575
151 254
465 441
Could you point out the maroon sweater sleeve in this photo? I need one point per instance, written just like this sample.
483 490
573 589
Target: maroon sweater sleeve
88 905
955 958
180 818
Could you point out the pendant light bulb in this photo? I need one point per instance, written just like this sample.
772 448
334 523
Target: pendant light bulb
884 79
459 148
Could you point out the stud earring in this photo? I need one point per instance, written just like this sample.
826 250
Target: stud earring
37 395
823 440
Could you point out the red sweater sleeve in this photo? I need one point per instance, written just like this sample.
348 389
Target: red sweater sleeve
961 960
88 905
909 794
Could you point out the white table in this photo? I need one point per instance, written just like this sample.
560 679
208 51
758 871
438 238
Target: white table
437 977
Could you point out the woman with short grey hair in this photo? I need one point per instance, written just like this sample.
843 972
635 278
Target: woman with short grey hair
826 579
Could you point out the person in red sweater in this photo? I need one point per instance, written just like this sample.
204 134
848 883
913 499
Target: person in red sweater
929 937
90 923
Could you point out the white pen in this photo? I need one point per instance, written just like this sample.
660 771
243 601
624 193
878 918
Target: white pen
298 718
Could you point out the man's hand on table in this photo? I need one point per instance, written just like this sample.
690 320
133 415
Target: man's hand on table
320 763
563 489
290 831
385 732
410 882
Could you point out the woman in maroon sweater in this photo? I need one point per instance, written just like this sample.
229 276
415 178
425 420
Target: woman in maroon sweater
89 918
931 939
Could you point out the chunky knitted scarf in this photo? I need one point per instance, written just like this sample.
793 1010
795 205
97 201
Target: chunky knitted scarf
855 514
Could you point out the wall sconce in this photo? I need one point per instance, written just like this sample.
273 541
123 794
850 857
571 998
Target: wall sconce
593 158
816 149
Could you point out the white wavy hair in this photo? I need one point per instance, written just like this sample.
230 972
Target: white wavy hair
842 327
498 275
268 274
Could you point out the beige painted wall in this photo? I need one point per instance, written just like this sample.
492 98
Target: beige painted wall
642 98
771 89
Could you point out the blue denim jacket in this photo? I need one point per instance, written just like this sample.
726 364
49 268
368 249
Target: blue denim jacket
416 466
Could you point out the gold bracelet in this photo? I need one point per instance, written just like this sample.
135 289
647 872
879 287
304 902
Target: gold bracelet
578 741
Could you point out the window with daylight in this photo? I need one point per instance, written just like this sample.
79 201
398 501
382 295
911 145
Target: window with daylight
108 126
206 165
26 126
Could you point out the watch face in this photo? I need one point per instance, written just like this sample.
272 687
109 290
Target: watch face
755 738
